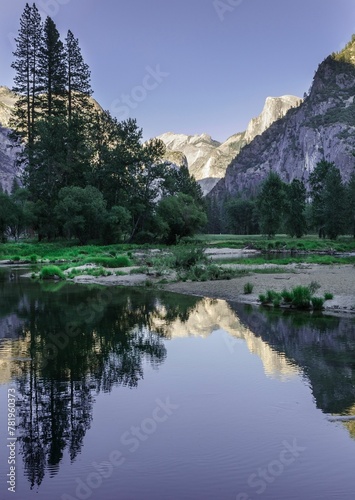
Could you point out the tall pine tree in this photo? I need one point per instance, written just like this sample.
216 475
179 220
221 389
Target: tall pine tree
26 80
52 71
78 77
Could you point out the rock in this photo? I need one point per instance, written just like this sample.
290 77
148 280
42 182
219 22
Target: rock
208 159
321 127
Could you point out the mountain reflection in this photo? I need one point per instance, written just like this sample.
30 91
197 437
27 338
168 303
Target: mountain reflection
63 344
323 346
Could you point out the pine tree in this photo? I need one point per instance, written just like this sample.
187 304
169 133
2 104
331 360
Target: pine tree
26 80
334 200
317 181
78 77
52 71
295 207
270 204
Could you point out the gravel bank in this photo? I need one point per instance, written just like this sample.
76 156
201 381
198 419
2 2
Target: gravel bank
339 280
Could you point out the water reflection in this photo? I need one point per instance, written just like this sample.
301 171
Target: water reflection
323 346
63 344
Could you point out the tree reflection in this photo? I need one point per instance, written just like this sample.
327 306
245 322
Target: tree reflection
81 341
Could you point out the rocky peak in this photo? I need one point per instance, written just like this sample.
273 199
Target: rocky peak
208 159
274 109
322 127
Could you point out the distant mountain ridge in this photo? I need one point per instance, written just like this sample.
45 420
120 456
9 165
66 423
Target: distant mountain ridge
322 127
208 159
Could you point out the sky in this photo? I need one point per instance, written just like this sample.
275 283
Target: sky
192 66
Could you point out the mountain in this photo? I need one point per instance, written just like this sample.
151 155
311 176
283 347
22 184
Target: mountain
322 127
8 169
208 159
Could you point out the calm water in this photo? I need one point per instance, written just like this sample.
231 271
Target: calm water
133 394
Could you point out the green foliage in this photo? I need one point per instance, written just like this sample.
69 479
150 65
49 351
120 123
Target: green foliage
287 296
317 303
81 211
301 297
328 296
241 216
186 256
119 261
181 181
276 302
328 200
210 272
182 217
271 295
270 202
248 288
295 205
262 298
51 272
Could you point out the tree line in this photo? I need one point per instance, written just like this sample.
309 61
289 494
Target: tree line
327 207
85 174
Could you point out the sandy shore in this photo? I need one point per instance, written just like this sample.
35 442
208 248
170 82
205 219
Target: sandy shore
338 280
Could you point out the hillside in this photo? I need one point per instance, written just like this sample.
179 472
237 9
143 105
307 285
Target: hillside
208 159
322 127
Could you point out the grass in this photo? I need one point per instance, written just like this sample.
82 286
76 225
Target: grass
300 297
328 296
317 303
51 272
248 288
309 243
211 272
284 261
113 262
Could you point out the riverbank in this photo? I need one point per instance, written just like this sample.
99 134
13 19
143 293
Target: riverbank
338 280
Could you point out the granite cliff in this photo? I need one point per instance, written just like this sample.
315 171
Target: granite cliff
208 159
322 127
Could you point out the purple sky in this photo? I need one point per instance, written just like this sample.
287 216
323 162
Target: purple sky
193 66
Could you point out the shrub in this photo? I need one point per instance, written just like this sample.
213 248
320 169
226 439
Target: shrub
51 272
16 258
33 259
271 295
262 298
248 288
301 297
287 296
119 261
328 296
276 302
317 303
186 256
